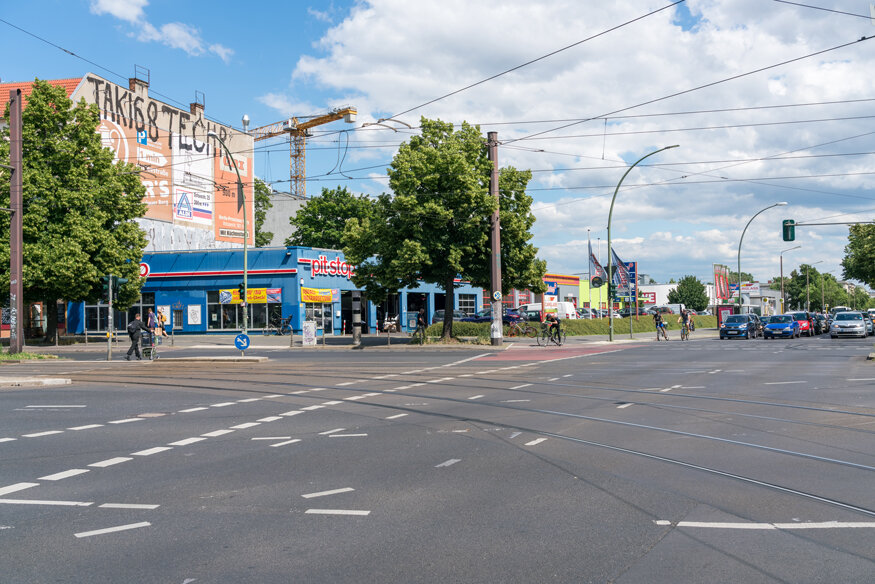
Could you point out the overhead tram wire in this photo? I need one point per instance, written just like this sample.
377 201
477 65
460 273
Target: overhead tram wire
866 16
690 90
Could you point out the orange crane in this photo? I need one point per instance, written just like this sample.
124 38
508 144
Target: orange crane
297 129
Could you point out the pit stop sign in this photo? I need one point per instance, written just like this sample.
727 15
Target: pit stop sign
144 269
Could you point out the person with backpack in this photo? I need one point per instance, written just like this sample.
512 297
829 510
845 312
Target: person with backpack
135 329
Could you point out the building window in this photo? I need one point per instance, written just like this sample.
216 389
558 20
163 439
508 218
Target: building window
468 303
230 316
97 315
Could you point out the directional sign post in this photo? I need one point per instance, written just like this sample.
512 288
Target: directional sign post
241 341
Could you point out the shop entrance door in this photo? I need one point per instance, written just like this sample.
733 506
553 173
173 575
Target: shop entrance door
321 315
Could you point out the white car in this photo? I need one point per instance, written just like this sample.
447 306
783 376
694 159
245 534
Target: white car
848 324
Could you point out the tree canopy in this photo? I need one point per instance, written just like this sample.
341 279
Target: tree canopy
321 221
859 260
435 227
79 205
262 206
689 292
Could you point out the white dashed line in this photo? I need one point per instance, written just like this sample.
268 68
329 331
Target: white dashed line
569 375
334 403
395 417
223 405
331 431
285 443
151 451
515 401
127 506
50 406
246 425
449 462
273 396
271 438
336 512
38 434
344 383
8 439
403 387
783 382
270 419
112 529
110 461
476 396
553 379
16 487
311 408
439 380
623 406
521 386
536 441
216 433
248 400
326 493
353 398
291 413
36 502
186 442
346 435
189 410
125 421
774 526
64 474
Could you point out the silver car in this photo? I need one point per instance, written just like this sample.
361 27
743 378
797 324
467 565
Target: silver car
848 324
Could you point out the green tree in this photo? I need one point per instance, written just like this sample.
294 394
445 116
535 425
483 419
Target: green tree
79 206
436 226
262 206
690 292
321 222
859 260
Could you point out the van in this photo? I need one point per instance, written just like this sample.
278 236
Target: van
566 310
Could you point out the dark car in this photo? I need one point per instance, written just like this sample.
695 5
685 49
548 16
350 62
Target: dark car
806 326
820 324
781 325
485 315
740 325
438 316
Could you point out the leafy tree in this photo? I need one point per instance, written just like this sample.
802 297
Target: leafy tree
262 206
436 226
745 277
79 206
859 261
690 292
321 222
819 287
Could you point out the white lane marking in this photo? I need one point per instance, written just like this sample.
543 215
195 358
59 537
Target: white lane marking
514 435
344 383
514 401
403 387
270 419
64 474
395 417
569 375
151 451
216 433
186 441
286 442
273 396
63 406
326 493
292 413
36 502
331 431
38 434
334 403
623 406
8 439
416 384
488 371
467 375
439 380
224 404
774 526
336 512
713 372
16 487
863 379
113 529
311 408
465 360
191 410
693 387
783 382
318 388
125 421
476 396
353 398
380 377
248 400
521 386
271 438
449 462
246 425
374 394
110 461
669 388
345 435
553 379
460 431
127 506
299 392
536 441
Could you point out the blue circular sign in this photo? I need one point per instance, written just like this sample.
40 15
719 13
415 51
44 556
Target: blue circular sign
241 341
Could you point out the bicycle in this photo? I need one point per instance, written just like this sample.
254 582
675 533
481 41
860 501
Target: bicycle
278 326
685 332
418 336
661 329
521 329
550 335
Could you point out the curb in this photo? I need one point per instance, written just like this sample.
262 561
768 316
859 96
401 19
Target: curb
33 381
224 359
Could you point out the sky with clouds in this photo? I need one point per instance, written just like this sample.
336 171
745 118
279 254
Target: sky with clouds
768 101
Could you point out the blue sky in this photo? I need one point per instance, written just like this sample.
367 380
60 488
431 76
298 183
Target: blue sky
800 132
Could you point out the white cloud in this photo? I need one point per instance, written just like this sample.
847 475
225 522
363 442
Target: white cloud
224 52
127 10
321 15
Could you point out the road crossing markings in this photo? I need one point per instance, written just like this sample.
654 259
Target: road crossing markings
223 405
449 462
38 502
189 410
216 433
16 487
783 382
536 441
110 461
47 433
476 396
285 443
270 419
64 474
327 493
112 529
521 386
395 417
331 431
151 451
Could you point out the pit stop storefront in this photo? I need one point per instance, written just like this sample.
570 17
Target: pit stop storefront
198 292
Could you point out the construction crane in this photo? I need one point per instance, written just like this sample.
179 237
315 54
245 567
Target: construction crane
297 129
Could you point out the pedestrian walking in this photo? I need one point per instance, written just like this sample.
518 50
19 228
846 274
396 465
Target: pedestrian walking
135 329
162 323
151 321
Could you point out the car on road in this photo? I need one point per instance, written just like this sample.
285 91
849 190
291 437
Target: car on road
848 324
870 326
806 327
485 315
740 325
781 326
438 316
820 324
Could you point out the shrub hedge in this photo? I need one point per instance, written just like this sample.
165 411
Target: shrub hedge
581 327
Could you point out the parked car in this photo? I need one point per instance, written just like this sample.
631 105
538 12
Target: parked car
848 324
740 325
438 316
565 310
587 313
780 326
806 327
820 324
485 315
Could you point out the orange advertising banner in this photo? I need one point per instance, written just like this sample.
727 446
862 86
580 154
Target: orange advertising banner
316 295
228 213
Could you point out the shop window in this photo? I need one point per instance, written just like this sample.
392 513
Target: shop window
468 303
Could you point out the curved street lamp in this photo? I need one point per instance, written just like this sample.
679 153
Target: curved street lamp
781 204
610 256
784 298
240 196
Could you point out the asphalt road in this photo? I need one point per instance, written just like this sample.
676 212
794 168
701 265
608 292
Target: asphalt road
705 461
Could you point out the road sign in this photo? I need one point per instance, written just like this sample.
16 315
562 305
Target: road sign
144 269
597 282
241 341
496 295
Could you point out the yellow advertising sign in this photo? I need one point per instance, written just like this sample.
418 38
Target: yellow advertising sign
316 295
253 295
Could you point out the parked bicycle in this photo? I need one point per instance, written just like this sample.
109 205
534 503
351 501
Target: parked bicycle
278 326
549 335
521 328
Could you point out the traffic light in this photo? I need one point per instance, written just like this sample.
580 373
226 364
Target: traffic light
789 226
105 287
117 284
241 291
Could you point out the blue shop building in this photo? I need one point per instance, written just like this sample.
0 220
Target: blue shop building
198 292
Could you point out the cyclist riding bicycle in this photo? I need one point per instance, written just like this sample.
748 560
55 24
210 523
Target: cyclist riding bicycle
659 323
555 325
686 323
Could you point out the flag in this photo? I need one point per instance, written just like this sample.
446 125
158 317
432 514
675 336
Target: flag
595 268
620 272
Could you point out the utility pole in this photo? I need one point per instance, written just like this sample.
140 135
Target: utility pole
356 318
109 327
16 259
496 332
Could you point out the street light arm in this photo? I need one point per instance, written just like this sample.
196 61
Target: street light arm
739 248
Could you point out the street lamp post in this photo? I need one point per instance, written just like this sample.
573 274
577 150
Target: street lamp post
240 197
610 256
808 285
781 204
783 298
